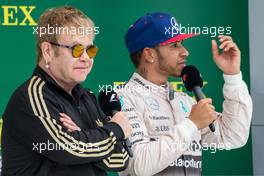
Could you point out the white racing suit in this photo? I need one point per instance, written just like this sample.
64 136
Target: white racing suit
165 141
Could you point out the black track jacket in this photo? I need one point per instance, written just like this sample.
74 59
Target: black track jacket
34 142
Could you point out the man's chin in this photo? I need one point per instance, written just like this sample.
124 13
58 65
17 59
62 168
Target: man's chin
176 75
80 79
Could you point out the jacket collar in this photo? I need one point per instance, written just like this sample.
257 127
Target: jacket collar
77 90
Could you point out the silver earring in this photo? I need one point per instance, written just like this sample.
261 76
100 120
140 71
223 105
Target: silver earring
47 65
152 61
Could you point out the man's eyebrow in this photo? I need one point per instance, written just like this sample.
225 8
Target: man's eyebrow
172 43
75 43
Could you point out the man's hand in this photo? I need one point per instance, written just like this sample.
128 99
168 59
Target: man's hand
68 123
203 113
229 60
123 122
118 118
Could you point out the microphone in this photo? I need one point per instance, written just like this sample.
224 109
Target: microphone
110 104
193 81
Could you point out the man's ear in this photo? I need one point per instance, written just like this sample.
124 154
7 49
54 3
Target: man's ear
47 51
149 55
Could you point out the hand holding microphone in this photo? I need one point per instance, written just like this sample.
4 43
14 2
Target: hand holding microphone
111 106
203 113
122 121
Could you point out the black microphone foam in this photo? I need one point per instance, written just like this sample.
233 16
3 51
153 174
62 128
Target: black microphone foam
193 81
109 102
191 77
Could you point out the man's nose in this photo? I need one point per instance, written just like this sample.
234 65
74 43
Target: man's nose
184 52
84 57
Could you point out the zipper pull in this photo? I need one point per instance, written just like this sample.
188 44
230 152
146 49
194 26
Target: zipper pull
79 109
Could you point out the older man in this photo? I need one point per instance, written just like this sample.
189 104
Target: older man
52 125
168 127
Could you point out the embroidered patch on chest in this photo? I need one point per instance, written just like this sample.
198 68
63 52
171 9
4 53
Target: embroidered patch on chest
152 103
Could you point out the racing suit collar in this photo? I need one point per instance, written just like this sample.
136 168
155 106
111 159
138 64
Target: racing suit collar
149 87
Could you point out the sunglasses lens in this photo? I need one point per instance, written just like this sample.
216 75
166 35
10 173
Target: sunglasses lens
77 50
92 51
